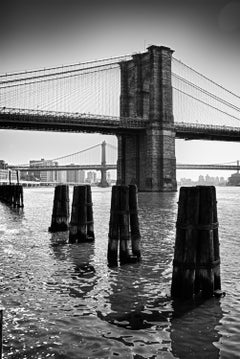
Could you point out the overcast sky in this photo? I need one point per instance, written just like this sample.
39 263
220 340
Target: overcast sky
203 34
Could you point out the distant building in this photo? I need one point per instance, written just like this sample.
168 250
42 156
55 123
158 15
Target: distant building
234 180
91 177
61 176
3 165
203 181
75 176
43 176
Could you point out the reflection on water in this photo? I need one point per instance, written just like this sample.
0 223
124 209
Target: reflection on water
63 301
193 329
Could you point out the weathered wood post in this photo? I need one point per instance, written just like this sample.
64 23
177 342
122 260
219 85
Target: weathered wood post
60 213
1 332
124 228
196 264
21 196
79 229
90 223
134 223
184 262
113 235
119 228
17 176
17 196
208 260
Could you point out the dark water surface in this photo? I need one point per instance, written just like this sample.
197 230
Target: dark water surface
63 301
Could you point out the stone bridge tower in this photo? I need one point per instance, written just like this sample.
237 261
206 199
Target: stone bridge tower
148 158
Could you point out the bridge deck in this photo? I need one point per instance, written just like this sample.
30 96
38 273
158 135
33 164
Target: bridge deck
19 119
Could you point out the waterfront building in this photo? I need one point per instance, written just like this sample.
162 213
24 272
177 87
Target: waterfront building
3 165
234 179
91 177
75 176
43 176
62 176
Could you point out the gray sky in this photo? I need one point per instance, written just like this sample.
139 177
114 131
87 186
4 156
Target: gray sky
203 34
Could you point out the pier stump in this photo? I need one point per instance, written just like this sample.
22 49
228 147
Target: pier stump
18 196
60 214
119 228
81 224
1 332
12 195
90 224
196 264
134 223
123 223
113 235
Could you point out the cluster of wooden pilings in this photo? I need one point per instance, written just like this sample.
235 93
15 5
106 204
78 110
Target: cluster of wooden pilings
81 225
81 228
196 264
12 195
124 226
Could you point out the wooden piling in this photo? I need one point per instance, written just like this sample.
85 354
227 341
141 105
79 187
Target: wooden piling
196 264
119 228
90 223
17 176
12 195
134 223
60 213
208 262
123 219
216 245
10 177
113 235
1 332
81 226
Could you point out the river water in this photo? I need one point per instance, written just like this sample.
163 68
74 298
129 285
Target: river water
63 301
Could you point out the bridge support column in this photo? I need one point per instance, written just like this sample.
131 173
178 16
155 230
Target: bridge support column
103 182
148 158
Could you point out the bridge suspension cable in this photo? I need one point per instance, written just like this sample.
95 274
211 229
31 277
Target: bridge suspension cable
76 153
111 60
93 88
198 99
86 87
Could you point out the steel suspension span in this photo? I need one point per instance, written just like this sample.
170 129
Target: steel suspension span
74 161
161 99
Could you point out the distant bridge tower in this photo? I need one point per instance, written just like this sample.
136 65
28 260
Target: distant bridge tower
103 182
148 159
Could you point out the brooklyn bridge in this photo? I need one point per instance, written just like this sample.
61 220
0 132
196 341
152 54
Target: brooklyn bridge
147 100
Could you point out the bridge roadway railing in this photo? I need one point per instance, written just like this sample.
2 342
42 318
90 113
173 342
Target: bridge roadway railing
194 166
87 120
47 168
204 131
179 166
